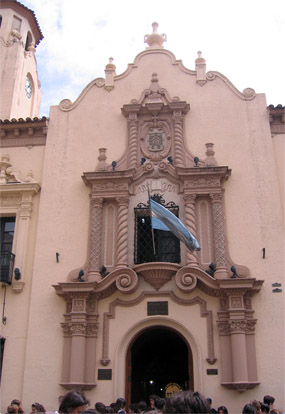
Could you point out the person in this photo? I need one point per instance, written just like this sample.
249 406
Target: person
12 409
142 407
209 401
256 404
264 408
152 400
159 403
120 406
248 409
38 408
73 402
269 400
132 409
222 410
186 402
100 408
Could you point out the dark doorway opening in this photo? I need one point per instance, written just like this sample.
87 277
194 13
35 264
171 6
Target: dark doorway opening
157 357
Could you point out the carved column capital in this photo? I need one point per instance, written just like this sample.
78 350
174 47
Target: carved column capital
189 198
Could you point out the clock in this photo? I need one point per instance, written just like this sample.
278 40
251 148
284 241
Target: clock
28 86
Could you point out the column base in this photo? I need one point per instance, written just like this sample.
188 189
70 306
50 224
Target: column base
94 276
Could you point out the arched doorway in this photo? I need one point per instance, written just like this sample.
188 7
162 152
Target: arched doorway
156 357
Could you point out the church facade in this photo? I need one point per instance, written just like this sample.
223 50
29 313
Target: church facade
92 297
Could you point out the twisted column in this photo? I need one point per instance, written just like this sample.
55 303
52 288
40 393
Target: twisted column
122 236
219 236
95 239
178 140
190 221
133 140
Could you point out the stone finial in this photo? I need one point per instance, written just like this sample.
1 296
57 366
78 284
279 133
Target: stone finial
210 160
155 39
4 164
102 165
200 66
110 71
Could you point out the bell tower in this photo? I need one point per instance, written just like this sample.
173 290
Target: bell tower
19 84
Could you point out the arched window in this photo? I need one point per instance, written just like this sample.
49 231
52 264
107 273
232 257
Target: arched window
28 41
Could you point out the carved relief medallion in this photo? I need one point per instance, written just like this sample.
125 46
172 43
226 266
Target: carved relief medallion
156 140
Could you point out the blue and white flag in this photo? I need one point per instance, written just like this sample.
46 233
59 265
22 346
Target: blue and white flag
163 219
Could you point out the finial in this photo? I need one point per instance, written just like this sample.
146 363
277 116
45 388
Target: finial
155 39
199 58
110 65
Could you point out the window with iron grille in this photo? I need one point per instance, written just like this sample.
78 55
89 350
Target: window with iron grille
7 227
147 241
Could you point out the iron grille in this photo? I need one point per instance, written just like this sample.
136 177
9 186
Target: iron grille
6 266
167 246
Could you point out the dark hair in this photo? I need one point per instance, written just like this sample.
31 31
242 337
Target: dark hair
99 406
223 409
11 409
39 408
142 406
248 409
209 400
265 408
268 399
159 403
133 407
72 400
186 402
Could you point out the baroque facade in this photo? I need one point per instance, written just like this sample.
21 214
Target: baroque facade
89 301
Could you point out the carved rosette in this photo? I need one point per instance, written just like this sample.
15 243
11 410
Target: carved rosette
185 280
96 234
127 281
122 238
219 234
190 219
178 140
133 134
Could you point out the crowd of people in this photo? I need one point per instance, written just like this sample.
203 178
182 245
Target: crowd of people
184 402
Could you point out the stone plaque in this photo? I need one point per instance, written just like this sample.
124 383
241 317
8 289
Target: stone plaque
212 371
157 308
104 374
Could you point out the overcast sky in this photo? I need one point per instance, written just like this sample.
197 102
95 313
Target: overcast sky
244 40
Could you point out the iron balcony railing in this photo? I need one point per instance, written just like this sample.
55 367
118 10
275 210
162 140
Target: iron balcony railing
7 260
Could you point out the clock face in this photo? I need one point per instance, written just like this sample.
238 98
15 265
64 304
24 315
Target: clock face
28 86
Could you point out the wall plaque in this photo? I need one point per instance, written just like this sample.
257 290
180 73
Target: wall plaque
157 308
104 374
212 371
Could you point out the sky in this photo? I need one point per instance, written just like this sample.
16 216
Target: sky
243 40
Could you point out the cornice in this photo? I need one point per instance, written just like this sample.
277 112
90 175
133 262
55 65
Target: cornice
23 132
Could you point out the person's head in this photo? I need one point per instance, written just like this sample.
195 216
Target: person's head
73 402
38 408
142 406
222 410
100 407
132 409
12 409
209 401
186 402
152 400
248 409
264 408
159 403
257 406
269 400
16 402
120 404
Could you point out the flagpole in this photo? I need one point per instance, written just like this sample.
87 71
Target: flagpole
152 233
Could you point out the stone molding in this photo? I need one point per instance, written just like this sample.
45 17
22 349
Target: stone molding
23 133
105 360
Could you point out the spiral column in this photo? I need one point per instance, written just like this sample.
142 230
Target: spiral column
178 140
190 221
95 240
133 140
122 237
219 236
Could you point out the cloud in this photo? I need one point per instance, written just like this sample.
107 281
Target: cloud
243 40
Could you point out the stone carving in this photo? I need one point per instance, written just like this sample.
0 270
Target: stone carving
96 234
210 160
178 140
127 281
78 305
185 280
77 328
157 274
219 235
237 325
133 137
236 302
9 174
155 39
190 219
122 238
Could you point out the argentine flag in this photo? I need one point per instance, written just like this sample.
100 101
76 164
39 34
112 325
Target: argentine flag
163 219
